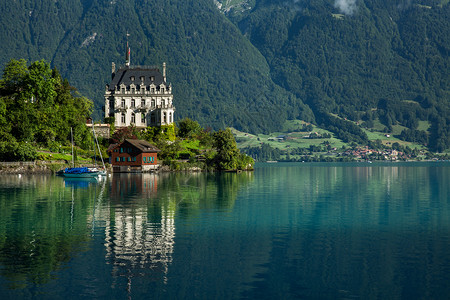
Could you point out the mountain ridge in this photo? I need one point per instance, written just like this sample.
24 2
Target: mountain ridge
258 66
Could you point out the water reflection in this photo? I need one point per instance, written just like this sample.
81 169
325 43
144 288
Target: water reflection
140 223
138 240
41 223
46 221
306 231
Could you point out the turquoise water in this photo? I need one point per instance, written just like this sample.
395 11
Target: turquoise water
285 231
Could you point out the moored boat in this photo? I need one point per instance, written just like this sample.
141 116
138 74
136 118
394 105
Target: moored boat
80 172
84 172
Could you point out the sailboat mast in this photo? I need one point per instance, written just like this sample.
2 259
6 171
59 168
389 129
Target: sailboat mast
98 146
71 139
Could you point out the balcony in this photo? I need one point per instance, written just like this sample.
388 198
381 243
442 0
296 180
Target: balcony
142 108
122 108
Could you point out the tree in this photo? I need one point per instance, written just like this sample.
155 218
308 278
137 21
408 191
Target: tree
38 107
228 156
188 128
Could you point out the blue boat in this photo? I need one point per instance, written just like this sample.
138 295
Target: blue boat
80 172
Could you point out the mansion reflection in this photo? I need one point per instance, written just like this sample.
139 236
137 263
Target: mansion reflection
139 233
139 216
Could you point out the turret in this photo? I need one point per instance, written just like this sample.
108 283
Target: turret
164 71
127 56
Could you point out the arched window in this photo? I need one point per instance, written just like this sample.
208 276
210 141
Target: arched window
133 103
164 117
142 102
163 102
133 118
143 118
170 117
153 103
123 103
122 118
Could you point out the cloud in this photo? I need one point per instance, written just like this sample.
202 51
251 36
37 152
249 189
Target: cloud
347 7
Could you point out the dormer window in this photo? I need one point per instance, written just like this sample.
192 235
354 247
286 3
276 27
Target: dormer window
132 78
152 78
142 78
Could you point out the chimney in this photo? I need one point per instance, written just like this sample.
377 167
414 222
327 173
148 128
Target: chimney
164 71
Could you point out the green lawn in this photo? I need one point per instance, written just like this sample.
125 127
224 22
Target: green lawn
295 138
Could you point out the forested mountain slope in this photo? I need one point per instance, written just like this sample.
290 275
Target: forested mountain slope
371 59
252 64
218 77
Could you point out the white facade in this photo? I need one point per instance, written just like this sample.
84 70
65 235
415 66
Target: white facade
139 95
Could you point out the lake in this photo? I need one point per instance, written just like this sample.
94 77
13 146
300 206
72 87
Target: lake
284 231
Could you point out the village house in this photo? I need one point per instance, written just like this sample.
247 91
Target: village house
133 155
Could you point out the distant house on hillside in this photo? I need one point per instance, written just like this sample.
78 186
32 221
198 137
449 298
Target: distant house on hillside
139 95
133 156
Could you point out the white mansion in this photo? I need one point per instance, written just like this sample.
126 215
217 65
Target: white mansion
139 95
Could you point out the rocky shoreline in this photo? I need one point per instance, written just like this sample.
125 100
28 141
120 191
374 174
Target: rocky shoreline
36 167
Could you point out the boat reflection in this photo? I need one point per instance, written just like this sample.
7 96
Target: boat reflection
82 182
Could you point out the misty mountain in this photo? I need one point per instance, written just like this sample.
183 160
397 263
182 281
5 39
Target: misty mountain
252 64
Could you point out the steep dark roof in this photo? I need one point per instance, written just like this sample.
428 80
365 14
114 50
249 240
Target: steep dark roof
142 145
123 75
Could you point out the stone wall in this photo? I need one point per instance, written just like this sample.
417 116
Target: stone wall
101 130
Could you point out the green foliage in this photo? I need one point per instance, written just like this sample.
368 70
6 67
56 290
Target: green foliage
38 107
228 156
156 134
168 132
188 128
12 150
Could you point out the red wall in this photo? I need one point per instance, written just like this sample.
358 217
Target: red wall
130 155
